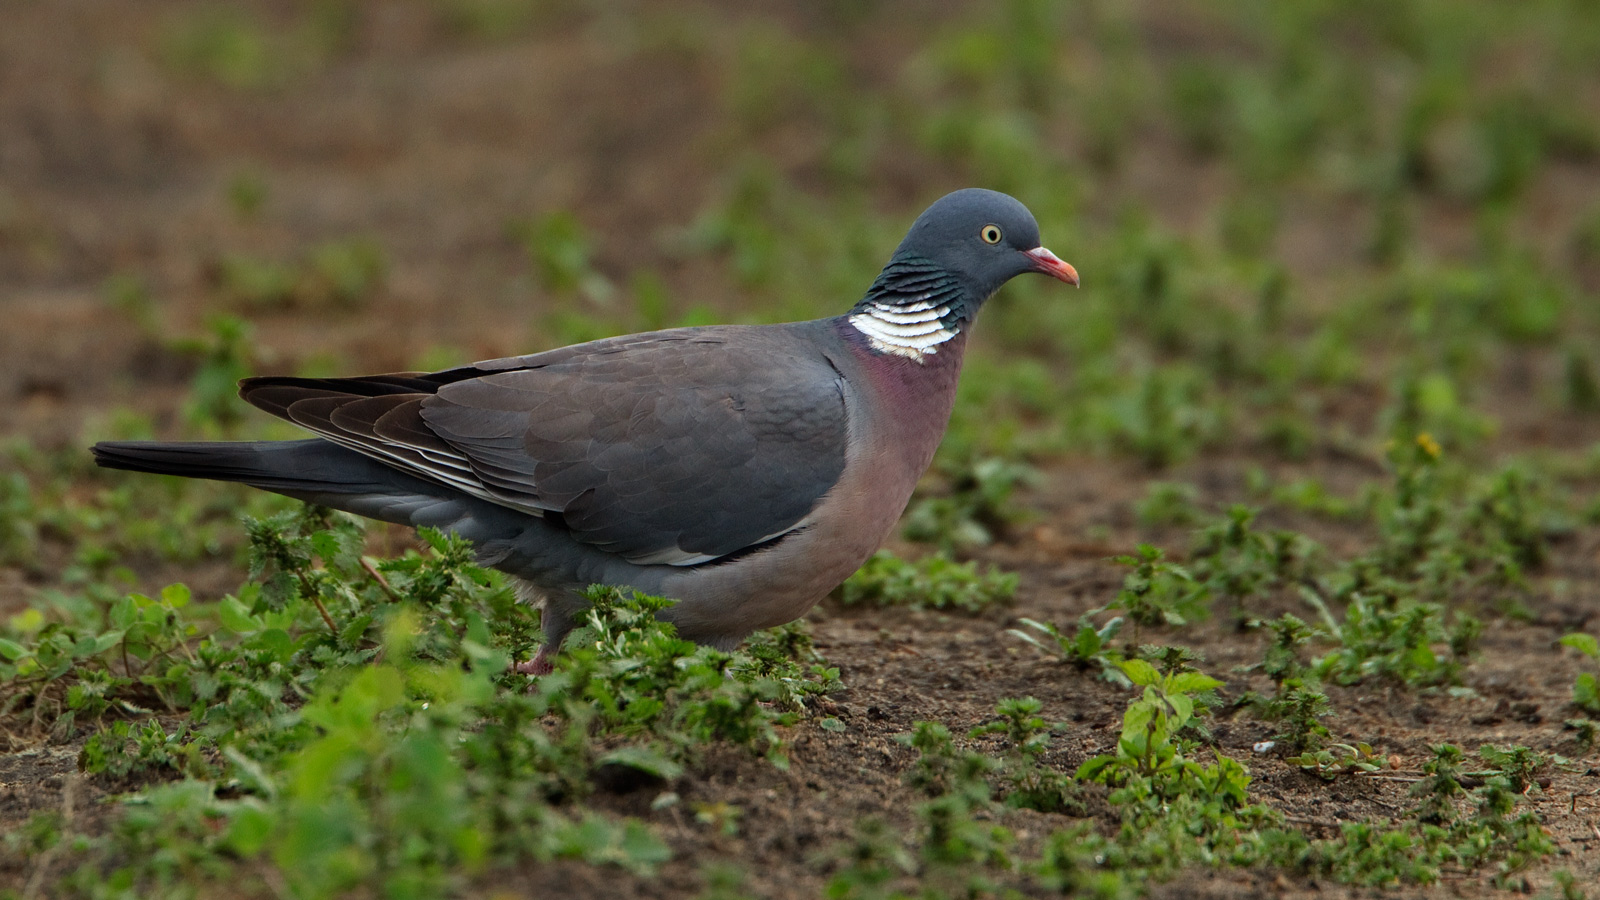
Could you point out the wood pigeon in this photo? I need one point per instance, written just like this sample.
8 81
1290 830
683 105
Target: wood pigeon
742 470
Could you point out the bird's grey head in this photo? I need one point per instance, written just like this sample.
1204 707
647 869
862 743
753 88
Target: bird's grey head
957 254
985 238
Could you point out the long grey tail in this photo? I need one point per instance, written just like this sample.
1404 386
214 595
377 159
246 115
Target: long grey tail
313 470
282 466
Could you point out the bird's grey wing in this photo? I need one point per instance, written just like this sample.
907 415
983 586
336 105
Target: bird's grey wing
678 448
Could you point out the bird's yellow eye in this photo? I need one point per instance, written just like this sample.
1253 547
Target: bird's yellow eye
990 234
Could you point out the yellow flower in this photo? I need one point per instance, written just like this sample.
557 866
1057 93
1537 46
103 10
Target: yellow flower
1429 445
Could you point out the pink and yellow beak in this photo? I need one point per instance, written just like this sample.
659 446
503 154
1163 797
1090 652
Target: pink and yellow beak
1048 263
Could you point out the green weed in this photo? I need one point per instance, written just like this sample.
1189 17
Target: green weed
1028 783
1586 689
1087 648
978 508
1150 752
1236 563
364 718
933 582
339 274
241 51
1168 503
562 256
224 357
1340 759
1158 592
1401 639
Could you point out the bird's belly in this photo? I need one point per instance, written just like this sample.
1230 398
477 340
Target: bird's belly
723 603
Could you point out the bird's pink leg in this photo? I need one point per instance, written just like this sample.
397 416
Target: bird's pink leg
539 665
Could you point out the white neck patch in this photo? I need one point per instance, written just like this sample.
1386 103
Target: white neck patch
913 330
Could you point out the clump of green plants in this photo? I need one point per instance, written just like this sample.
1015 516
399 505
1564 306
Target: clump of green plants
1168 503
72 526
1158 592
224 356
944 768
956 853
978 508
124 749
1164 418
130 295
1312 496
1586 688
246 193
933 582
19 529
1235 562
1340 759
1028 784
958 847
1301 707
1175 809
1492 835
626 672
1150 748
1398 638
1297 699
562 256
1434 835
1086 648
333 688
240 51
1439 531
338 274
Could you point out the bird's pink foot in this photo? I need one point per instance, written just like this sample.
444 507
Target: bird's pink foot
539 665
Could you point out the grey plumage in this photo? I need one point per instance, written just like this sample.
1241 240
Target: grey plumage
742 470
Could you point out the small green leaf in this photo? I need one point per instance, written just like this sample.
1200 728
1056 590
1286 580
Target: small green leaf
1094 767
326 545
176 595
236 617
642 851
1586 644
1192 683
275 641
1586 693
1182 710
124 612
645 759
249 828
1139 671
28 621
351 633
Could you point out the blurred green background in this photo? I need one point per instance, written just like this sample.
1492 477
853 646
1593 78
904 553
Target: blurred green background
1305 229
1299 224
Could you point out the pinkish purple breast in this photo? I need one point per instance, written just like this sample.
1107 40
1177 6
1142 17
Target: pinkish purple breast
912 398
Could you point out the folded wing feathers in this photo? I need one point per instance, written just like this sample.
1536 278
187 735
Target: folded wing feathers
450 469
382 417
